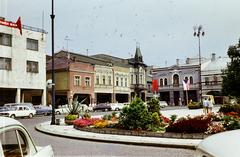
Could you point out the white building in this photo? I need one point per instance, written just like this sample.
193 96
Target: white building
22 65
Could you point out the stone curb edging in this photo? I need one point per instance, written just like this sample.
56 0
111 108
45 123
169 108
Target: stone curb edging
70 132
144 133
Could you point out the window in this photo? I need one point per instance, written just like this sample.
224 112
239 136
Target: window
117 81
206 80
121 81
141 79
97 80
5 63
103 80
136 76
87 81
175 80
77 80
161 82
13 143
5 39
32 44
125 82
165 82
191 80
32 66
131 79
109 80
215 79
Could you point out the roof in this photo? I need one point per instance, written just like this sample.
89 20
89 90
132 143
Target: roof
215 66
59 63
115 60
82 58
6 121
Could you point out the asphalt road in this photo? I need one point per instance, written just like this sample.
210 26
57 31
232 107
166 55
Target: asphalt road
72 147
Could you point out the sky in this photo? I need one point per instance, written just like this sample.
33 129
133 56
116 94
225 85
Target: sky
162 28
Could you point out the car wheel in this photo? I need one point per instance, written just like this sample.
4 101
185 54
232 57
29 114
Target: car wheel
12 116
106 110
30 115
58 113
117 109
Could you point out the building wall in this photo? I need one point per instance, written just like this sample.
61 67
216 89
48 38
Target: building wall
83 70
101 71
18 77
122 73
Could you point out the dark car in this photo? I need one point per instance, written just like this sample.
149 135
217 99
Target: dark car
102 107
43 110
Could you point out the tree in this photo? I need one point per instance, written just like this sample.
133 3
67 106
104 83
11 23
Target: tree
231 75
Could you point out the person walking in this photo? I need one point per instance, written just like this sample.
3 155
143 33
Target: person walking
205 106
210 105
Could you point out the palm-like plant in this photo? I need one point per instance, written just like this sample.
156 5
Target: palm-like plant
75 108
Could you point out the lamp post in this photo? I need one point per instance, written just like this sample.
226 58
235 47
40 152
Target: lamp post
53 77
198 32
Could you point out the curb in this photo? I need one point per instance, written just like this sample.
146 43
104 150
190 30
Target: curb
70 132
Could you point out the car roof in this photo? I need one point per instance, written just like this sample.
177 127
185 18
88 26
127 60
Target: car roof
5 121
222 144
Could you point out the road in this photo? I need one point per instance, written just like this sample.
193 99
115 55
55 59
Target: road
72 147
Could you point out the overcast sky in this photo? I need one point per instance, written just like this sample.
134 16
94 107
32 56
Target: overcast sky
163 28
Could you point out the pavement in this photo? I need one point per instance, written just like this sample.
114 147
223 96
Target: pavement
68 131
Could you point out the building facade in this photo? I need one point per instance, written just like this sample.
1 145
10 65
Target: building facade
22 65
170 79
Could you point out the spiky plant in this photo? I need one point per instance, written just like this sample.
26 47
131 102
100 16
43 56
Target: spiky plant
75 108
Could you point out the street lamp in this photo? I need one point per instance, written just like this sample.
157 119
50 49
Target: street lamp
53 77
198 32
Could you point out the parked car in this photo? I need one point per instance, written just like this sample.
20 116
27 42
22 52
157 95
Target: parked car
62 109
163 104
15 141
86 108
102 107
225 144
117 106
9 105
43 110
19 111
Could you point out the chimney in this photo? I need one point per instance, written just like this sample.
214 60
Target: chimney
177 61
188 61
213 57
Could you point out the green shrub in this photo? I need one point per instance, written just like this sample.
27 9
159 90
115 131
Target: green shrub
86 115
194 105
173 118
231 123
230 108
154 106
135 116
71 117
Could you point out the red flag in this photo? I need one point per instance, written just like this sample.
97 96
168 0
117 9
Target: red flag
18 24
154 85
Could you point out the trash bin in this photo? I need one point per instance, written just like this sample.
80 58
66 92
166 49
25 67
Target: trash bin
57 121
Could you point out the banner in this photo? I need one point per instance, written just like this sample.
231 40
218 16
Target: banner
155 85
186 84
17 25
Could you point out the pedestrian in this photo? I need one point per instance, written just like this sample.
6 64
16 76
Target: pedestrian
210 105
180 102
205 106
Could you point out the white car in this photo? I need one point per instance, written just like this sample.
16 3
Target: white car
163 104
117 106
16 141
64 109
225 144
19 111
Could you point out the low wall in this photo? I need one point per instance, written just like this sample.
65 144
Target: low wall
144 133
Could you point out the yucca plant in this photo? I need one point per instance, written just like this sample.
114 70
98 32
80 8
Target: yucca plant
75 108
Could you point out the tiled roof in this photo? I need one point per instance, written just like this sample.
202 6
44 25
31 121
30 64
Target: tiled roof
59 63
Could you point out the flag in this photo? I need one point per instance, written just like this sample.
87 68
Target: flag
154 85
186 84
17 25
